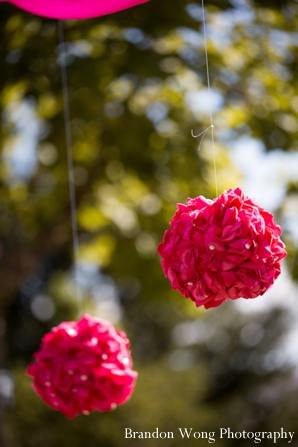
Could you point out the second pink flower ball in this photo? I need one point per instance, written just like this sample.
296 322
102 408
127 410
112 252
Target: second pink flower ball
83 366
221 249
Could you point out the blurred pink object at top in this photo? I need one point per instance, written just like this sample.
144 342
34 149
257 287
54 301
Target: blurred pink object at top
74 9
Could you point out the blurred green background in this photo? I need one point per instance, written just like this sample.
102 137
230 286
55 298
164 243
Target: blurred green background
137 86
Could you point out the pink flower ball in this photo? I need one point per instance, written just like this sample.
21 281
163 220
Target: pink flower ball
224 248
83 366
74 9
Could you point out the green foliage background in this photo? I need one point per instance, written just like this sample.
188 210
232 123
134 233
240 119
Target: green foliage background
131 78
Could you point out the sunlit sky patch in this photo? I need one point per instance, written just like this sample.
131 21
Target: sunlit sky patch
265 175
28 128
202 100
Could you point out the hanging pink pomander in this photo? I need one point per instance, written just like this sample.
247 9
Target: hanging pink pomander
74 9
221 249
83 366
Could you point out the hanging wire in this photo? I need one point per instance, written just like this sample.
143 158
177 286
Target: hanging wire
201 134
210 108
72 194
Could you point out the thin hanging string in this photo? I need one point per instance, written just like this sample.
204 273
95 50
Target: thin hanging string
72 194
201 134
210 108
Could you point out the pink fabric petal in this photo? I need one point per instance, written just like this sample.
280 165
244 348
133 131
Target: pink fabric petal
70 9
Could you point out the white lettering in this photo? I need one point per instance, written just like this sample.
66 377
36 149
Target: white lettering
223 431
211 437
187 432
128 433
146 434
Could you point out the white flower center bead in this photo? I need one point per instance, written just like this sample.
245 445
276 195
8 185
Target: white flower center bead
71 332
125 361
190 283
84 378
104 356
247 246
48 383
211 247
